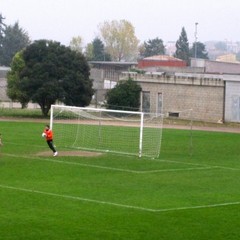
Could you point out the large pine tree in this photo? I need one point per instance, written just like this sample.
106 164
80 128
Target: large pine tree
15 39
2 30
182 47
99 53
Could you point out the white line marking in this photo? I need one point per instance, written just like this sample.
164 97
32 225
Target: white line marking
76 198
196 164
199 207
117 204
75 163
115 169
22 144
178 169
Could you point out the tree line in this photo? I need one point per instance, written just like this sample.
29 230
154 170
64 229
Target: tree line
116 42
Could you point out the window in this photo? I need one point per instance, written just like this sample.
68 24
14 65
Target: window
173 114
235 107
146 101
159 103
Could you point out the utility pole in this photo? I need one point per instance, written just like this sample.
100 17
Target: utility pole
195 55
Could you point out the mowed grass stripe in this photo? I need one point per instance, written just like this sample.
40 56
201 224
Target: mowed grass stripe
111 168
118 204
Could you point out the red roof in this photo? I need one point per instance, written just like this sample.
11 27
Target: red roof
162 58
161 61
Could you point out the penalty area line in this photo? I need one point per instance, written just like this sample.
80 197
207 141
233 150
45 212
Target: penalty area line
76 198
115 169
197 164
198 207
117 204
76 163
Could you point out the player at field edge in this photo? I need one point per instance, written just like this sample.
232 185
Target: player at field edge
1 143
48 134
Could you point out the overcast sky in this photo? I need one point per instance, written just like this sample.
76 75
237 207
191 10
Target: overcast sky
60 20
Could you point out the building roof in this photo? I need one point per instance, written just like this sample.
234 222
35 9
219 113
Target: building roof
117 66
162 58
112 63
230 58
3 71
3 68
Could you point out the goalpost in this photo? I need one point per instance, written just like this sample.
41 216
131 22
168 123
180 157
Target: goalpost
95 129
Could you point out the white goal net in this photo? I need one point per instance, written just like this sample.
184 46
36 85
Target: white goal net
95 129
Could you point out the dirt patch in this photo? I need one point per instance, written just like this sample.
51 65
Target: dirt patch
70 153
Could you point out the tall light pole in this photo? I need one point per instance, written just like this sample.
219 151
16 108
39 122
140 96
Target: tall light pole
195 55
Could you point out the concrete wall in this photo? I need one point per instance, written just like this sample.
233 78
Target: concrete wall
216 66
3 84
5 101
222 67
3 87
205 96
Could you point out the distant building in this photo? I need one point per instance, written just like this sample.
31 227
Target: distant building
216 67
106 75
230 58
170 47
177 93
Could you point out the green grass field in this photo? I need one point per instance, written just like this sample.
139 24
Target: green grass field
187 193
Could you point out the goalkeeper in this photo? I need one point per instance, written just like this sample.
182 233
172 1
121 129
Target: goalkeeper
48 134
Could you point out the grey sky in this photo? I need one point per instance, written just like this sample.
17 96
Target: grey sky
61 20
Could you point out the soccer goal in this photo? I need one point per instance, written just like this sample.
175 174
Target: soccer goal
95 129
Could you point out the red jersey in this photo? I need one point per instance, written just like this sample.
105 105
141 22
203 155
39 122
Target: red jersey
49 134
